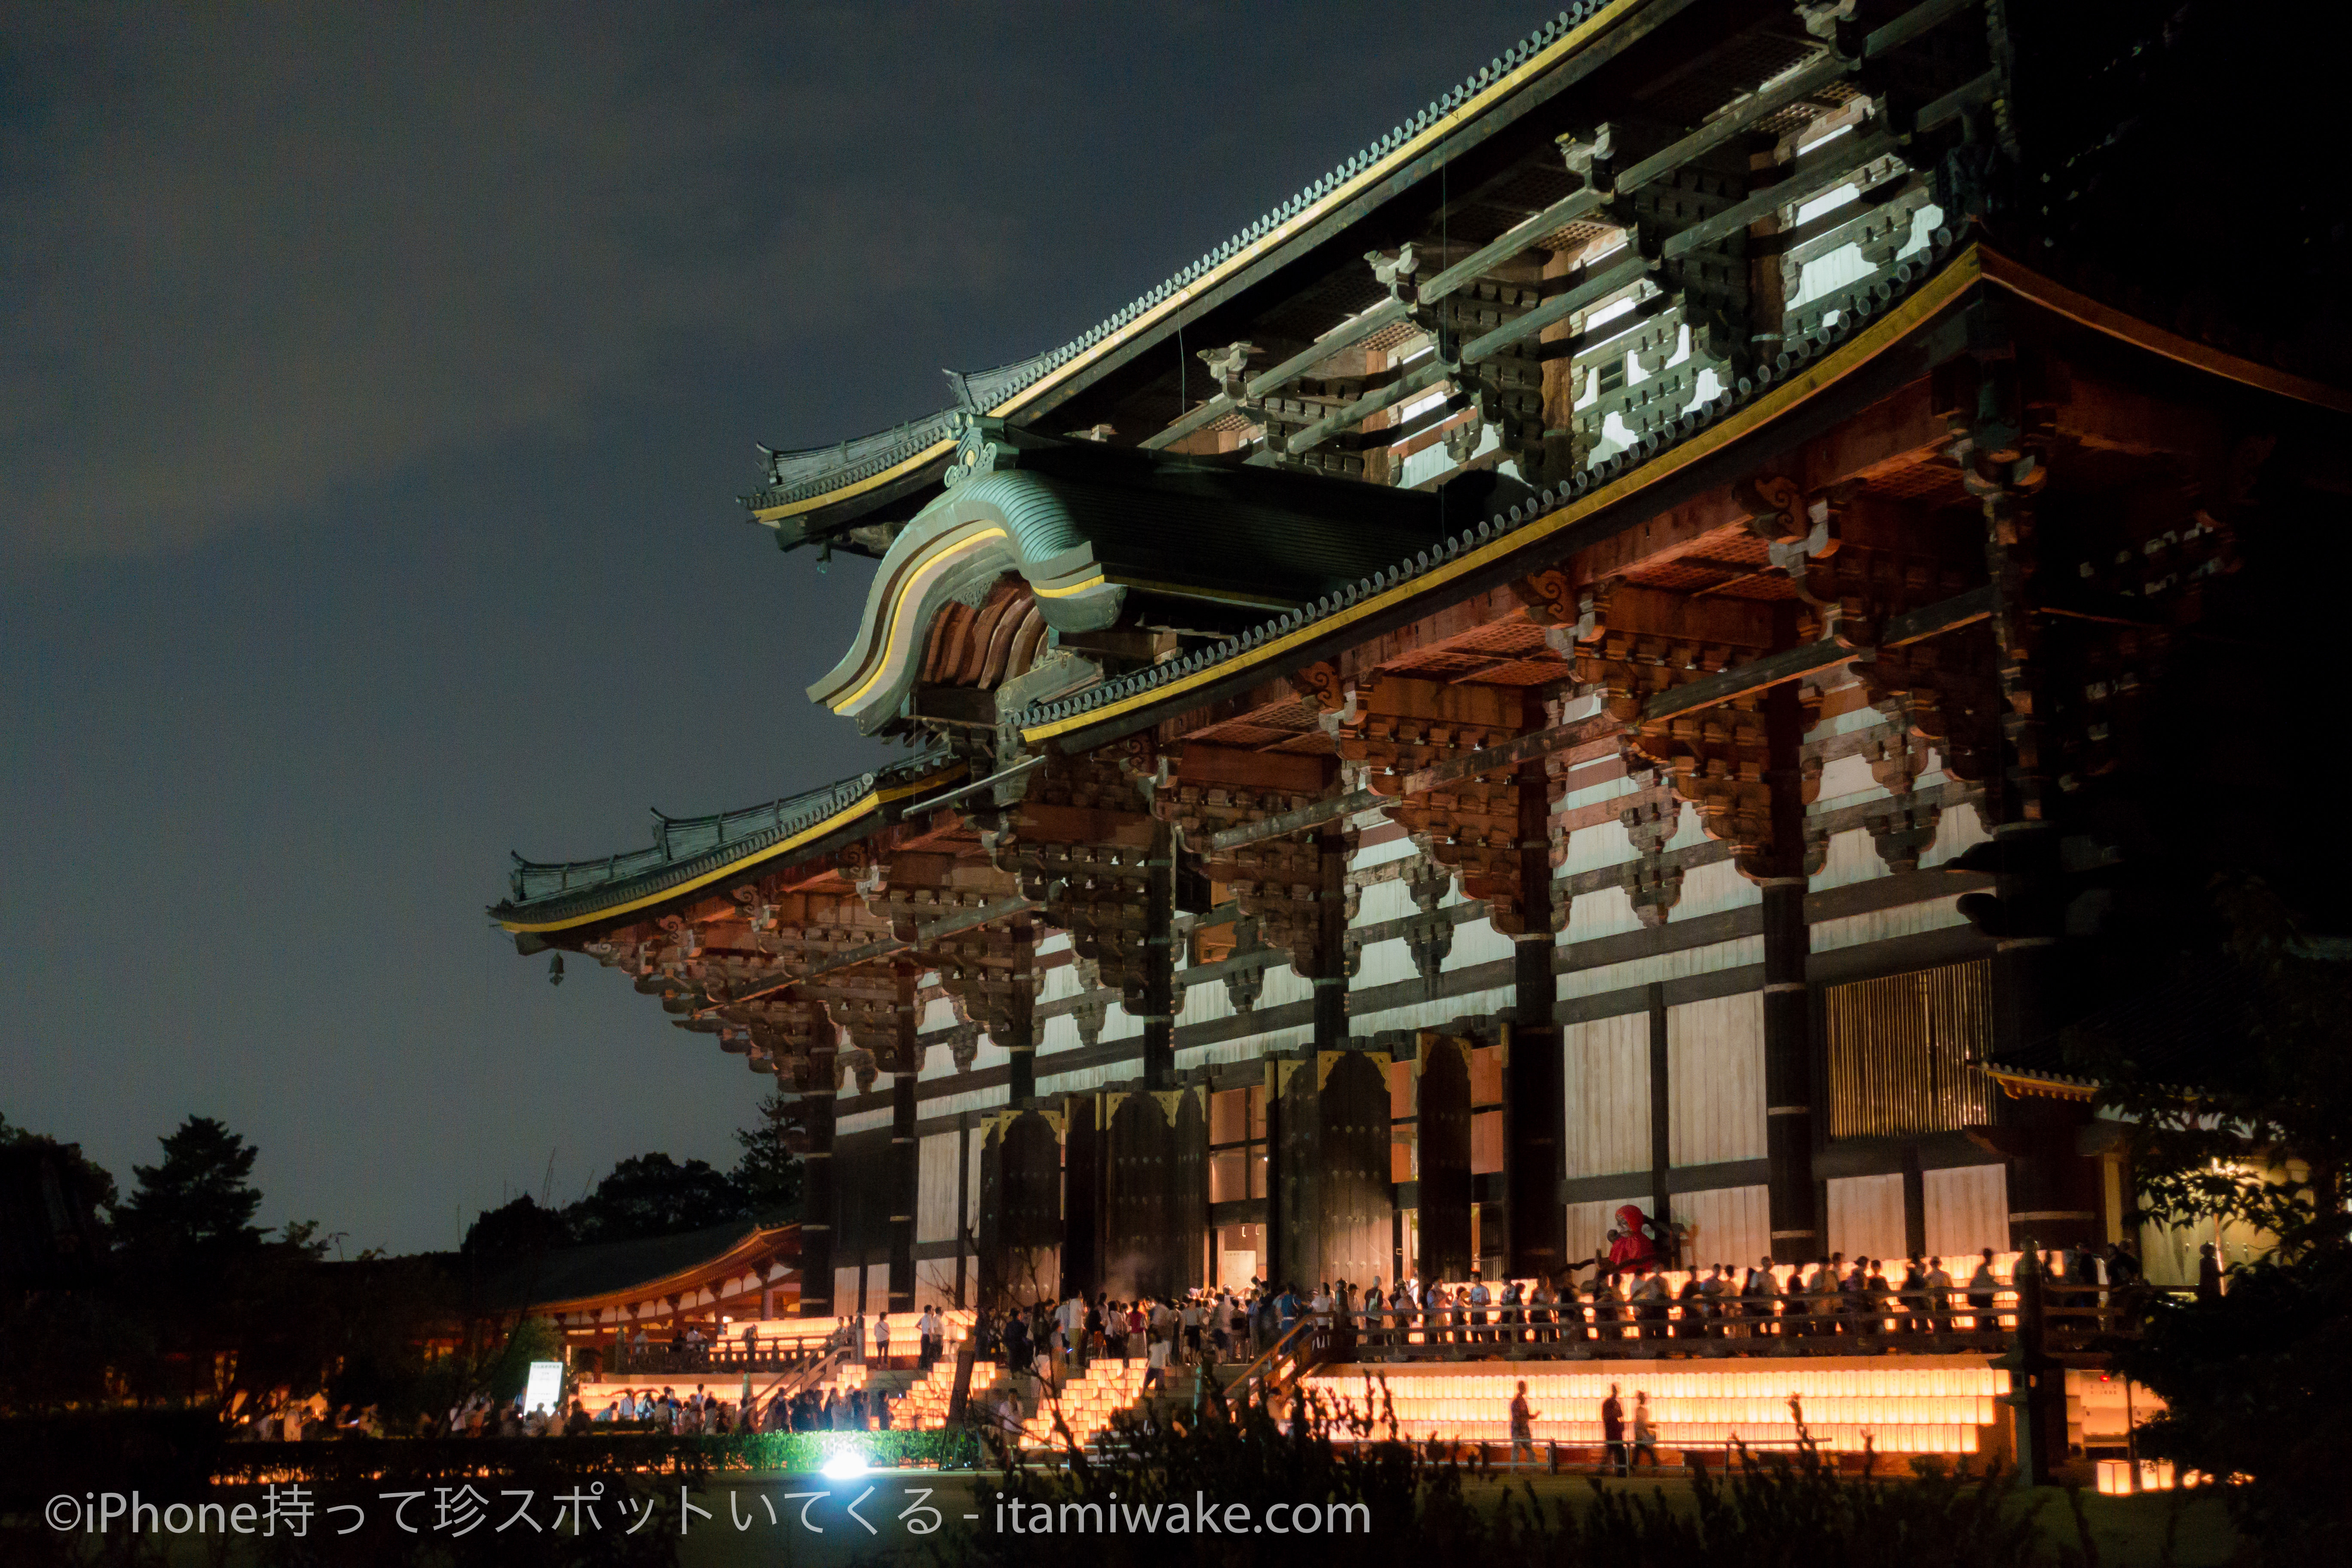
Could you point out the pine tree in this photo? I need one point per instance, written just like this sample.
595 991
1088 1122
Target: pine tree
201 1199
768 1171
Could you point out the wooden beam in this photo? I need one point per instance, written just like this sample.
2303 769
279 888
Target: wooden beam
1629 270
890 947
1745 679
1488 760
1824 175
1794 664
1632 270
1419 378
1934 620
1636 611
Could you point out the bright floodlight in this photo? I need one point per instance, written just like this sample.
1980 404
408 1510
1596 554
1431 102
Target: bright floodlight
845 1466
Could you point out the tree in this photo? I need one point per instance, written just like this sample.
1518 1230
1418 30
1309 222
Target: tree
96 1181
652 1194
535 1339
517 1229
201 1199
768 1174
2259 1135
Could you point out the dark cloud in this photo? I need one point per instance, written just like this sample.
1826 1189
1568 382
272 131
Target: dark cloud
267 252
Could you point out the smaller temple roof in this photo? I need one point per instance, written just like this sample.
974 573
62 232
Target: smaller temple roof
2183 1034
573 1277
689 851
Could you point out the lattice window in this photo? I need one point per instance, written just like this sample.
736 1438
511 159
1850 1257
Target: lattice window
1899 1051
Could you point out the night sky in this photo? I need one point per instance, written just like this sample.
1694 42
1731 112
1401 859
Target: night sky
375 387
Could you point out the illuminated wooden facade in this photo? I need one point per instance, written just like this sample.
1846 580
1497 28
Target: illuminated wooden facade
1622 666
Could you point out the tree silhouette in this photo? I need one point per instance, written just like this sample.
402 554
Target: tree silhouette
200 1199
768 1174
652 1194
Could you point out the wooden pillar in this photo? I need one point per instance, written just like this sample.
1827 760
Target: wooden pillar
817 1207
1534 1099
1083 1183
990 1251
2052 1188
1018 1026
1280 1181
1188 1192
963 1204
1290 1141
1791 1195
1536 988
1535 1115
1298 1196
906 1158
1662 1089
1915 1203
1159 1017
1331 963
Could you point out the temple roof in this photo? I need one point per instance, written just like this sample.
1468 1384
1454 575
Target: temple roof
2194 1031
869 470
1294 286
689 851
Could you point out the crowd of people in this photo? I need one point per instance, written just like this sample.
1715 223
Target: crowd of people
1629 1296
828 1408
1632 1293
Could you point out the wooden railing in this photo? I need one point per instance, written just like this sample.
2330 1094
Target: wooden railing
2073 1318
1305 1345
808 1375
627 1361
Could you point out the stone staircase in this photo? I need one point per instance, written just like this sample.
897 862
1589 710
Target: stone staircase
1087 1403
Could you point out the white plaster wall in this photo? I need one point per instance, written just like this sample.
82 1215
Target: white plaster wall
1715 1075
1865 1219
1968 1210
1727 1225
1663 966
1606 1081
935 1188
1606 912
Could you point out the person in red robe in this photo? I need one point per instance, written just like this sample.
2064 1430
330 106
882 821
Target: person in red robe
1633 1252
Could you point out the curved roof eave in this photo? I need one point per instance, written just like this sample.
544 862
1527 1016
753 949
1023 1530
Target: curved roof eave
601 1274
799 827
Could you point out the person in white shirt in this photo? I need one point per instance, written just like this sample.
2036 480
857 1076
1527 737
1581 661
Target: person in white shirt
1156 1360
1940 1298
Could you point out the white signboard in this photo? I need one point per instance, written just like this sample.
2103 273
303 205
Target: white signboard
545 1389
